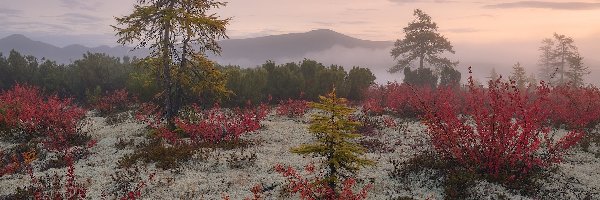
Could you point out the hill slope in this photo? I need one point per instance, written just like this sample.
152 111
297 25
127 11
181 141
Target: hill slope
63 55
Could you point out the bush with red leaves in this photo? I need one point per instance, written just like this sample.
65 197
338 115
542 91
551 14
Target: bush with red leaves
150 114
9 164
136 193
316 188
372 106
115 102
502 132
51 188
292 108
26 114
575 107
216 124
401 100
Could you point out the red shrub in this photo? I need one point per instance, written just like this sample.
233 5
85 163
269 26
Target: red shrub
292 108
51 188
400 99
26 113
114 102
15 162
575 107
150 114
501 130
372 106
370 125
136 193
216 124
9 164
316 188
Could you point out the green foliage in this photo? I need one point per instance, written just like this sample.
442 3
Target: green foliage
335 134
307 80
154 152
358 80
142 82
332 77
284 80
246 84
85 78
456 183
141 78
420 77
450 77
98 70
422 42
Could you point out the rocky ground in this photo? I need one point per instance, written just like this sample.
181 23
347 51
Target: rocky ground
211 174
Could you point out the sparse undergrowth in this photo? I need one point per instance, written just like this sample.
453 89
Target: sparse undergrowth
172 149
165 157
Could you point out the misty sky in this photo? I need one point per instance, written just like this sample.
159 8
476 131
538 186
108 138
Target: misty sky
505 31
461 21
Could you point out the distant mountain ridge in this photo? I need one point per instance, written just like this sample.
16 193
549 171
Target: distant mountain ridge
293 45
252 50
63 55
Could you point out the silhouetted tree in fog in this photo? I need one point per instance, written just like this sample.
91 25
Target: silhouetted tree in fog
420 77
518 75
422 43
450 77
560 61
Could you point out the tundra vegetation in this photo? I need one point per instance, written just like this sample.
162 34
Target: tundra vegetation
132 128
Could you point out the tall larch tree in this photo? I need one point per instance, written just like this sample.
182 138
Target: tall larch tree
422 43
334 132
178 33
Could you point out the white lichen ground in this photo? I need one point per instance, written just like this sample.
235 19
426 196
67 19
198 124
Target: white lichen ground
210 177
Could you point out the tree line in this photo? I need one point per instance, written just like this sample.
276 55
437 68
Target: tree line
97 73
94 73
303 80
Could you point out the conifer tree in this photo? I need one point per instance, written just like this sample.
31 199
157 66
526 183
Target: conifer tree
560 61
450 77
334 132
494 75
577 70
178 33
518 75
422 43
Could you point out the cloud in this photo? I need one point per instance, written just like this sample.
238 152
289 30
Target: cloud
358 10
547 5
461 30
345 22
27 26
79 19
323 23
354 22
85 5
421 1
242 34
473 16
7 12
